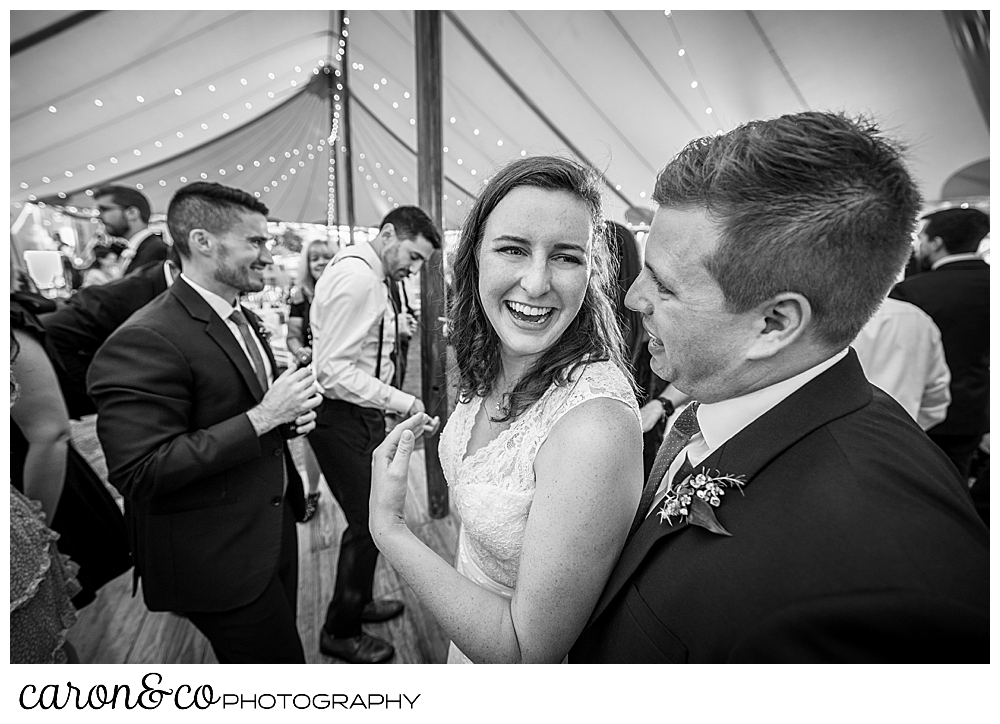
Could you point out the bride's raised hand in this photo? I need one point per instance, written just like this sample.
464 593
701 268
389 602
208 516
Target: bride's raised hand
390 467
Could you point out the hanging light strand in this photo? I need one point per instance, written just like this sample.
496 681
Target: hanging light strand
154 146
696 83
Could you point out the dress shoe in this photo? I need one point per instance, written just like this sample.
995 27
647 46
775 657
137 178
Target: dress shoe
363 649
381 610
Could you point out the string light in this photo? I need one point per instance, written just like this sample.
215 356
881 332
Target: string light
695 83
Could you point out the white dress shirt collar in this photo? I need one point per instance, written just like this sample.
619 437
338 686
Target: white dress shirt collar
720 421
217 303
366 251
968 256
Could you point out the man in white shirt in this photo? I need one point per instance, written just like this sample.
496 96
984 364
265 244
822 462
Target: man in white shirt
192 418
901 352
125 213
802 516
355 326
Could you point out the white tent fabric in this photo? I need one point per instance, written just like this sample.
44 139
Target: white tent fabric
146 97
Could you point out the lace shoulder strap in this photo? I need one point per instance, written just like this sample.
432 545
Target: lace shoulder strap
598 379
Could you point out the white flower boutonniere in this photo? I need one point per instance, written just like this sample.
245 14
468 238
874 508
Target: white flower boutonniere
695 497
264 332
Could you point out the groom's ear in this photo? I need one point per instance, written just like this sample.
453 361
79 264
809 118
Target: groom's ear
781 321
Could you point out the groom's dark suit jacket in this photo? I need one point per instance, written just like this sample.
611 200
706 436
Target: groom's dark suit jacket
853 541
203 493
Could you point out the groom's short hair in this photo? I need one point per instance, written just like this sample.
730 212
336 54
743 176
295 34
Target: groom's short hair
814 203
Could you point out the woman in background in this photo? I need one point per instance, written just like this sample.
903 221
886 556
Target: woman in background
316 255
657 398
45 466
42 581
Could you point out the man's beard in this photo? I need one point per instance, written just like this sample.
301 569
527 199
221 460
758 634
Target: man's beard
120 231
236 278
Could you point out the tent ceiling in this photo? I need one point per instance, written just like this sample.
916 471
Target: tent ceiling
611 83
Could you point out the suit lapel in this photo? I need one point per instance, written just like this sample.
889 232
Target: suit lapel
219 332
840 390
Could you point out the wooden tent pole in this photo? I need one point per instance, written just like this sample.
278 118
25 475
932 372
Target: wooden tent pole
433 349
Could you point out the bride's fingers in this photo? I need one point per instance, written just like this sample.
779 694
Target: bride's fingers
401 458
387 450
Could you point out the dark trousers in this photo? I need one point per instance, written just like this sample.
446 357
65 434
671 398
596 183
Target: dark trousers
343 440
263 631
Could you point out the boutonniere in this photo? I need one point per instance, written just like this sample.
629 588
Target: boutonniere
262 330
695 497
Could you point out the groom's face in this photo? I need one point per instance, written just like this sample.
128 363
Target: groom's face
695 342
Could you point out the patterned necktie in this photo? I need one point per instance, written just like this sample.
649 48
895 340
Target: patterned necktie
685 427
258 362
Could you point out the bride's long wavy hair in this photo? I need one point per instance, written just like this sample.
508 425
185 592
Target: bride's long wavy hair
592 336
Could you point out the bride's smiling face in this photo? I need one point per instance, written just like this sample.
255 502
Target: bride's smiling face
534 267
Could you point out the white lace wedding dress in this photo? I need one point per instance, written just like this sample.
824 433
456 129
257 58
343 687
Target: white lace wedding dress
492 489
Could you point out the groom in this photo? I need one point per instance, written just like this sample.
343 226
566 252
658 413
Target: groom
802 516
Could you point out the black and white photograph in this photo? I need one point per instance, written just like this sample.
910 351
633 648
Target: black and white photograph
500 336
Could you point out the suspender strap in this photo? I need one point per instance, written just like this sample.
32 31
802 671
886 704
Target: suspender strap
381 324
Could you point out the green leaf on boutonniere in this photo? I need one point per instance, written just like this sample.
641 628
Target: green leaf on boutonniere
701 513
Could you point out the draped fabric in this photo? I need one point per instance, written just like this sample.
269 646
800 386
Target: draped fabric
970 29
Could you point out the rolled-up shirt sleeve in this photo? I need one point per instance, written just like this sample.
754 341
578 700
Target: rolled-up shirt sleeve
348 307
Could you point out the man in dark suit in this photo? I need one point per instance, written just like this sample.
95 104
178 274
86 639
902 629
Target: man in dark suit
75 332
125 213
795 513
955 293
192 422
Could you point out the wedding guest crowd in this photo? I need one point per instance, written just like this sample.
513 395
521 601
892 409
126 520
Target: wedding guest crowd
736 411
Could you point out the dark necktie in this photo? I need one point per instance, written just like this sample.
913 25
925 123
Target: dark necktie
258 362
685 427
393 290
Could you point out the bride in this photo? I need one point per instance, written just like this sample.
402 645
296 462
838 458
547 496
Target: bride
543 453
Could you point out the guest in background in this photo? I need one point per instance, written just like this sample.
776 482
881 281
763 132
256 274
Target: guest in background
125 213
46 467
105 267
901 353
955 292
657 398
354 327
42 580
316 255
77 330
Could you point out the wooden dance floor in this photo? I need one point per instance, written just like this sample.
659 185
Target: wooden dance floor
117 628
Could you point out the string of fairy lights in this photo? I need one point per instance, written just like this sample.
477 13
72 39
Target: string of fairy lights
381 175
696 84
